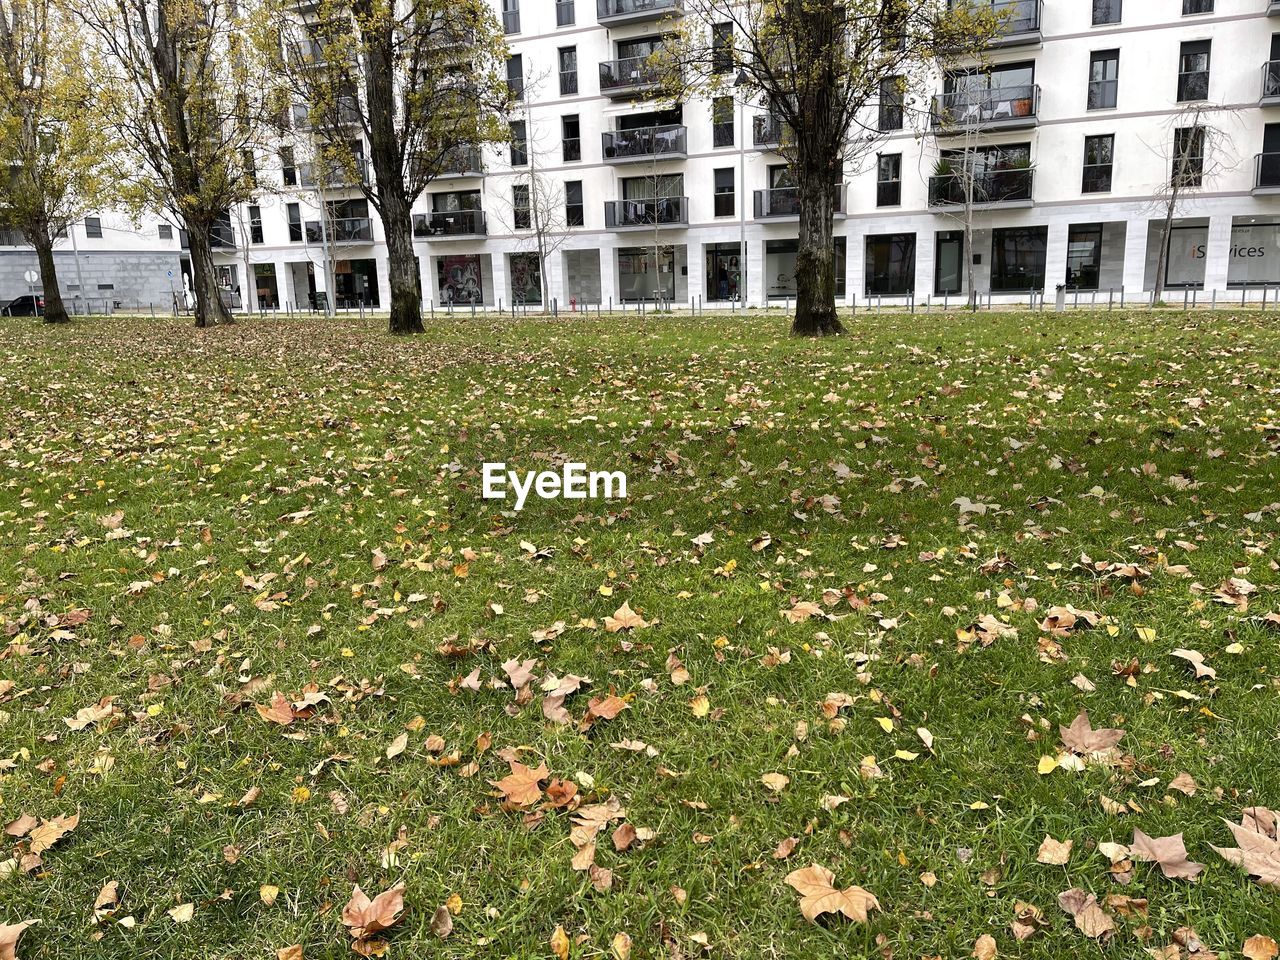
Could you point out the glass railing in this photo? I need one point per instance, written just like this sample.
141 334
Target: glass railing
993 186
639 213
1266 170
456 223
785 202
340 230
994 105
1271 78
766 130
627 74
668 140
612 10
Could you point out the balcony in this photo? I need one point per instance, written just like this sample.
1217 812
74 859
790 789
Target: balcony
614 12
1266 174
222 237
993 188
1020 21
1273 8
766 130
997 108
341 230
12 238
1270 84
665 212
334 177
461 162
644 143
629 78
779 202
450 225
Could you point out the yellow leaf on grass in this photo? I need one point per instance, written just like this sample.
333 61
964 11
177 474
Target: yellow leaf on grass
1146 634
560 943
1047 765
885 724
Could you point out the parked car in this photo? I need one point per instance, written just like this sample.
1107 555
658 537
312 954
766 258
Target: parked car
27 305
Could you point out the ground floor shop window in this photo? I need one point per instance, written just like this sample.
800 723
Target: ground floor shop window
647 273
891 264
461 279
526 279
1255 254
948 263
1018 258
1084 256
268 292
355 282
780 268
724 271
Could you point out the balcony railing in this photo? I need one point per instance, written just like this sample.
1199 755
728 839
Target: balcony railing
629 77
333 177
1270 84
1005 107
222 236
668 211
1019 20
785 202
991 187
511 21
1273 8
766 130
1266 173
450 223
610 12
12 238
464 161
645 143
341 230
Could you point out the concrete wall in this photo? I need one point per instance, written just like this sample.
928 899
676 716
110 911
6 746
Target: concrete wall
127 278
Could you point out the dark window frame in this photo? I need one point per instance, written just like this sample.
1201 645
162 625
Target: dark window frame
1103 92
1096 176
891 105
889 191
570 147
722 47
722 130
720 192
519 144
93 228
1193 75
1106 12
573 203
521 211
568 77
255 224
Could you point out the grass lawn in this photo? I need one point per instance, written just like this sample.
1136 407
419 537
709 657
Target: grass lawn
834 545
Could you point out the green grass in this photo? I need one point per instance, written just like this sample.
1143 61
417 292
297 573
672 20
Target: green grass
208 440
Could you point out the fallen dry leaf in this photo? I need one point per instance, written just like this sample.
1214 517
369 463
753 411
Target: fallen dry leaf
442 922
1080 737
984 948
624 618
520 787
1090 919
1196 659
818 895
1258 851
1169 852
10 933
1259 947
51 831
364 917
1054 852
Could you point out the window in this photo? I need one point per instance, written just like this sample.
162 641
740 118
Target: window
722 47
1188 156
1098 153
724 195
250 167
288 167
722 122
570 138
93 227
889 180
1193 71
1106 11
521 215
295 222
519 144
564 13
510 16
891 103
573 203
166 231
1196 6
1018 258
515 76
891 263
568 71
1084 255
255 224
1104 73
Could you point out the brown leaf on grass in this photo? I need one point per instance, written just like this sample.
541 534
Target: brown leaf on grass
293 952
104 905
1258 851
801 611
1080 737
1054 852
624 618
1090 919
10 933
519 672
280 711
397 746
1259 947
984 948
602 708
442 922
520 787
624 837
51 831
1060 621
818 895
364 918
1028 920
560 943
1196 659
1184 783
20 827
786 848
94 713
1170 852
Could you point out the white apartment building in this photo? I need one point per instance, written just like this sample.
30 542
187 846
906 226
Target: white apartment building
1075 121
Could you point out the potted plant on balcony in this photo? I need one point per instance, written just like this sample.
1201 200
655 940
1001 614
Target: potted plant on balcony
1022 106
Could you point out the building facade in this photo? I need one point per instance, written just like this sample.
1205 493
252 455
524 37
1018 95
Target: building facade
1071 134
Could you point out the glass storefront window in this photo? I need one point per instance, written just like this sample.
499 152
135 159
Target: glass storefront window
526 279
1018 259
1084 256
638 279
460 278
891 263
724 271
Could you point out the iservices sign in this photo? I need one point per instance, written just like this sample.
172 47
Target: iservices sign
1240 250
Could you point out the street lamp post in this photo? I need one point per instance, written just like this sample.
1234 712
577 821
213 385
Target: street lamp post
742 191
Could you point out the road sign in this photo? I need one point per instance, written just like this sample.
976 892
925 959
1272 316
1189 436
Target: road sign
169 273
31 276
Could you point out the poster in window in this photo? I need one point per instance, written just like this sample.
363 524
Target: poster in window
460 279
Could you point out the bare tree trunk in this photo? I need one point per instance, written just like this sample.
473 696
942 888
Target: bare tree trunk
816 314
402 266
1166 237
54 310
210 309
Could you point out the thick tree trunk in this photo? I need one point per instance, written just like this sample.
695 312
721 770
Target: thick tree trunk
54 310
204 278
402 267
815 256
